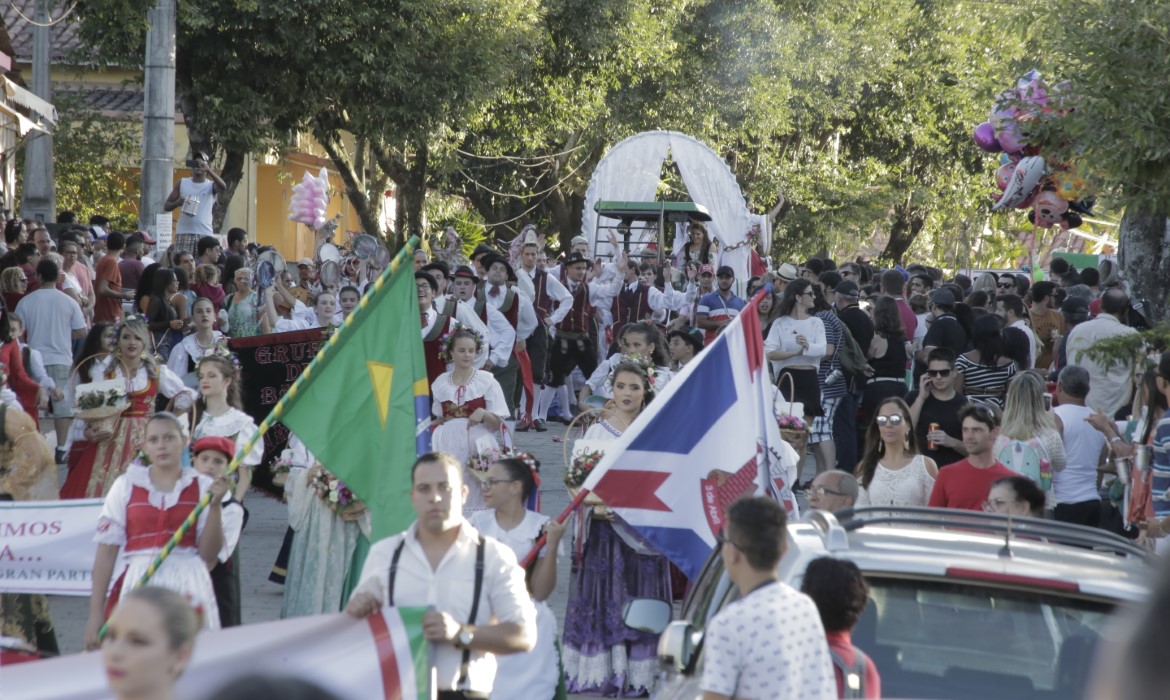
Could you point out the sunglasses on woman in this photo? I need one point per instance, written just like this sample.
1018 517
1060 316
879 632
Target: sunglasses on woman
883 421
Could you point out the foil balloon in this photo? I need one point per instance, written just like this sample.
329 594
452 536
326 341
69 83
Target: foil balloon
1023 181
984 136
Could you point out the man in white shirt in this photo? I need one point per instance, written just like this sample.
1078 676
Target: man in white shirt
501 337
53 321
196 195
517 310
1109 384
1011 309
770 643
1075 486
475 612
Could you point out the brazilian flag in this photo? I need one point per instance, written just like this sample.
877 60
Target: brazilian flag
362 406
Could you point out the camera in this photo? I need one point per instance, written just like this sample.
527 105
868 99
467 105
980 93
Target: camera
834 377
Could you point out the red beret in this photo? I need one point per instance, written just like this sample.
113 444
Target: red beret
219 444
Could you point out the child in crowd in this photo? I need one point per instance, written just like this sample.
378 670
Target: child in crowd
212 455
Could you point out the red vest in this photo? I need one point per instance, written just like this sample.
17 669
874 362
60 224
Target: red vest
630 307
432 347
142 402
510 308
454 410
580 318
148 527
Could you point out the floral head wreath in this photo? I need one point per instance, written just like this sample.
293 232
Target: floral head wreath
220 349
642 361
529 461
448 340
122 324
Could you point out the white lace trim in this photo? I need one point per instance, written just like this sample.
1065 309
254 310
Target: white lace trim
594 671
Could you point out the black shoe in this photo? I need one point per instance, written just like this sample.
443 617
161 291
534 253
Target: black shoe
60 455
539 426
523 427
802 487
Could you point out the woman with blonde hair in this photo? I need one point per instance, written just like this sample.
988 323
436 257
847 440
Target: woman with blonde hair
1030 441
13 286
132 362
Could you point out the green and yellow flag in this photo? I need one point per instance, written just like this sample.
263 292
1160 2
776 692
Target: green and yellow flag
362 407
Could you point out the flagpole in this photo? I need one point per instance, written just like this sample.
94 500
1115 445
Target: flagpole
540 541
323 355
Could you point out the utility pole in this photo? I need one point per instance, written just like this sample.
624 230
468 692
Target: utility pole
158 129
39 196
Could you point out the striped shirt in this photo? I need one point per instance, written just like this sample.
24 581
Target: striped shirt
1160 474
984 383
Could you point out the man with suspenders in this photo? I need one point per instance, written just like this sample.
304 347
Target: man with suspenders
472 584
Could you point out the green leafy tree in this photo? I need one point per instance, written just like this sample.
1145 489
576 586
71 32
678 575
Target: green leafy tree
1115 56
93 159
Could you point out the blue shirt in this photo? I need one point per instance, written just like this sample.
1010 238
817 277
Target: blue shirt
714 306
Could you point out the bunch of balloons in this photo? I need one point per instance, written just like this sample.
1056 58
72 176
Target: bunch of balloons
310 199
1057 193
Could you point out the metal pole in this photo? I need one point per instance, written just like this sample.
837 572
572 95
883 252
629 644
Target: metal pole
39 196
158 129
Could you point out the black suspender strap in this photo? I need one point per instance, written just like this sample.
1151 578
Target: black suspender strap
465 667
394 572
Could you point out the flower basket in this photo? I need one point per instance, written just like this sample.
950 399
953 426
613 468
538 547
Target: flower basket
336 495
793 429
586 455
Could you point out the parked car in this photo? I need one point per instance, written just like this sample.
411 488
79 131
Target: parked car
963 604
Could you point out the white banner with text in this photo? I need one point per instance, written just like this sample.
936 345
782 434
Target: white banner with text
47 546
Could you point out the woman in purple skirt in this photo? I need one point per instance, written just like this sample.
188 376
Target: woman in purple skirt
601 655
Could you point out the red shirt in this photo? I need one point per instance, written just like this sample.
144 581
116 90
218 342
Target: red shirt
909 318
107 309
841 645
965 487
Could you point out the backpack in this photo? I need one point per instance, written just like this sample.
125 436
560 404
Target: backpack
1026 458
850 354
852 677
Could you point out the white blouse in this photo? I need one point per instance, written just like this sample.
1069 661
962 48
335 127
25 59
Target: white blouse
782 336
520 538
188 349
234 424
481 384
909 486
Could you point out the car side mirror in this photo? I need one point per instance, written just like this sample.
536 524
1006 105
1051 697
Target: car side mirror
676 646
648 615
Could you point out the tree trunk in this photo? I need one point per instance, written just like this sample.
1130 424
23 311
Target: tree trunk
353 187
907 224
412 191
232 173
1144 254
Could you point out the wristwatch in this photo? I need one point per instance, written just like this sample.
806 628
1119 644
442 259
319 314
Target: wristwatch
463 639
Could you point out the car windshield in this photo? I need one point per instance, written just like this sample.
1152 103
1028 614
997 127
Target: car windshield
945 639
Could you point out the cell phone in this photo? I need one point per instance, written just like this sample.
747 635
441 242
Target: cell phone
1047 401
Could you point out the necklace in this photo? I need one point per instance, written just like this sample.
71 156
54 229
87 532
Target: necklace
203 346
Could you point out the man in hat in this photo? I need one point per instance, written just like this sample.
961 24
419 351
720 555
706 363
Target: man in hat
573 345
720 307
552 303
481 251
684 343
499 334
516 310
945 330
786 273
446 303
304 291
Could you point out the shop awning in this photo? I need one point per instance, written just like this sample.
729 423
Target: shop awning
18 95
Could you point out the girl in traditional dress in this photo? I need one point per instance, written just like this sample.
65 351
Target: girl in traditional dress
510 485
223 414
323 540
602 655
640 343
94 348
469 407
144 508
130 360
204 341
149 643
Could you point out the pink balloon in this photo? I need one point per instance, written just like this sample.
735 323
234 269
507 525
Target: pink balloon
1010 138
1003 175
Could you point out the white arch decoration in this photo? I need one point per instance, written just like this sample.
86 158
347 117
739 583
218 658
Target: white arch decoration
630 171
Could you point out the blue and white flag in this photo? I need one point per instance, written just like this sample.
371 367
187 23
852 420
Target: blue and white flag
709 438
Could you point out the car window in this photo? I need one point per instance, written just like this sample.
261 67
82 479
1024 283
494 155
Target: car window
711 585
932 639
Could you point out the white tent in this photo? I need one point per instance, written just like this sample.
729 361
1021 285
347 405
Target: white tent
630 172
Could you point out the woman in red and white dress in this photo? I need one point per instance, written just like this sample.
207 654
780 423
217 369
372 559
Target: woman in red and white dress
132 361
144 508
469 408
